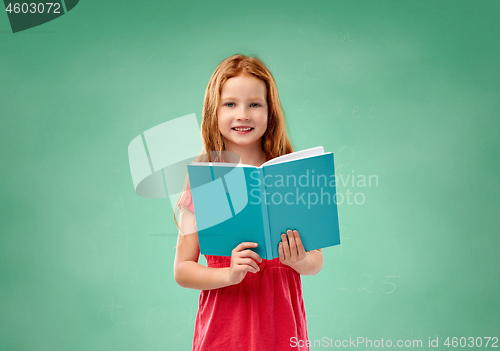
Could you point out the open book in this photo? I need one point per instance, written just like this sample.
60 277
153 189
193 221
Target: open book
234 202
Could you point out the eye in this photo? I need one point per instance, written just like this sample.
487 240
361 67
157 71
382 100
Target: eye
255 104
229 104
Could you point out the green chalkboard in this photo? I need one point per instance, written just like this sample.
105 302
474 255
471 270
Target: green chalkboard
406 94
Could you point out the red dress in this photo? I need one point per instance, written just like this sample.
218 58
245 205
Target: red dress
263 312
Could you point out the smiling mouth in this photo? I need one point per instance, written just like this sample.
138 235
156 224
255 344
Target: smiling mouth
242 129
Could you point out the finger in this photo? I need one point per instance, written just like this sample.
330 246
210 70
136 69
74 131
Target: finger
245 245
250 254
254 255
284 243
280 252
300 247
248 262
243 268
292 244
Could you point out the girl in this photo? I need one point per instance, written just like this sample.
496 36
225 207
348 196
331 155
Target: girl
246 302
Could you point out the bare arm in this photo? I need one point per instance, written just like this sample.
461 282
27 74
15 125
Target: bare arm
188 273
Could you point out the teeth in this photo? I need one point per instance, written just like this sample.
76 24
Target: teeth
242 129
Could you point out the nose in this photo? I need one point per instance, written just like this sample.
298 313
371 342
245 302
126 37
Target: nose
243 113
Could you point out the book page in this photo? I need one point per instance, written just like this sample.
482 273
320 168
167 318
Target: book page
318 150
222 164
314 151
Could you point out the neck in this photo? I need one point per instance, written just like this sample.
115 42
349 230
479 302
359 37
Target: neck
249 154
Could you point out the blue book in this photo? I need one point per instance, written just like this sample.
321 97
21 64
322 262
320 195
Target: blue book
234 202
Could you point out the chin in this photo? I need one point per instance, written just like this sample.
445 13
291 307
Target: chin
243 142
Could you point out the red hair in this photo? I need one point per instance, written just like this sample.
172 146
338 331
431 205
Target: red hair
275 141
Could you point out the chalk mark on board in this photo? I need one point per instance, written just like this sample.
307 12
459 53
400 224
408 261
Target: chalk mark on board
305 75
346 324
137 130
342 287
370 113
133 275
121 238
365 287
344 38
339 112
189 322
118 276
114 126
120 162
354 110
151 311
340 165
342 238
389 283
303 106
343 69
119 202
111 308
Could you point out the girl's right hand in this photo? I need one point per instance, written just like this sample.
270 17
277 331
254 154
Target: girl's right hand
241 262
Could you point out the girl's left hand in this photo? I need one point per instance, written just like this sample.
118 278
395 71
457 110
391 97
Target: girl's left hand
291 251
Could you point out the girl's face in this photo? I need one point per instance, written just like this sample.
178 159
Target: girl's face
243 105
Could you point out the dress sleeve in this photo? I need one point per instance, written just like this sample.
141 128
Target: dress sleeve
187 198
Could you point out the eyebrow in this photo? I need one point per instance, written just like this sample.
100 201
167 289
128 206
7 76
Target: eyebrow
232 98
